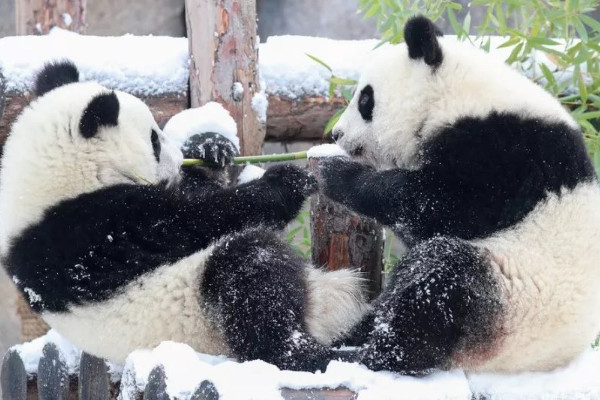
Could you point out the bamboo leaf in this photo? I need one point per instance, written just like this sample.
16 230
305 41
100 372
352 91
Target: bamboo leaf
336 80
318 60
333 120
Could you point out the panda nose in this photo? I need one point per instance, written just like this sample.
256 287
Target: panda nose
337 134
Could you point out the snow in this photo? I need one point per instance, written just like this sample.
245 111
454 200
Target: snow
326 150
153 65
289 72
237 91
211 117
140 65
185 370
250 173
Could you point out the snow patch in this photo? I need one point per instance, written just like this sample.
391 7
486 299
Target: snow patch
326 150
289 72
237 91
250 173
211 117
260 104
140 65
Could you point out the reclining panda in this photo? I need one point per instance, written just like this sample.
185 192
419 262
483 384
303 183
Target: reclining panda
118 251
486 177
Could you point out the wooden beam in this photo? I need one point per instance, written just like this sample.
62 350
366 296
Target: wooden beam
344 239
224 58
37 17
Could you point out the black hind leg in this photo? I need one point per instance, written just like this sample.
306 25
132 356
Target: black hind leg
441 301
254 288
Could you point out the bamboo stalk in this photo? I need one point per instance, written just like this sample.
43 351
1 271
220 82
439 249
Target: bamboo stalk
252 159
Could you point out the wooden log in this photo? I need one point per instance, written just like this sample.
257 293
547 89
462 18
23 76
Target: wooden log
224 58
37 17
343 239
156 388
318 394
13 377
53 375
299 119
94 383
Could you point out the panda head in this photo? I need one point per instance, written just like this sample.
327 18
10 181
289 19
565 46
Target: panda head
78 137
407 94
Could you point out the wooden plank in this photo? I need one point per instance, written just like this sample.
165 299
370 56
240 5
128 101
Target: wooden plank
223 51
156 388
53 375
93 378
13 378
37 17
299 119
205 391
343 239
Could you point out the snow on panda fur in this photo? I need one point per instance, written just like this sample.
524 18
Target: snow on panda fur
115 263
487 178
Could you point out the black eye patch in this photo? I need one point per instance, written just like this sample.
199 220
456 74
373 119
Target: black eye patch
155 144
366 103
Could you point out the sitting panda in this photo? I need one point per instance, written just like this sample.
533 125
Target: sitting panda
117 250
486 177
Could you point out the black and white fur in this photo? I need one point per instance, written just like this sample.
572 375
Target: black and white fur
117 250
487 178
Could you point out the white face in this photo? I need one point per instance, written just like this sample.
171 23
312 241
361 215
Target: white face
47 158
411 100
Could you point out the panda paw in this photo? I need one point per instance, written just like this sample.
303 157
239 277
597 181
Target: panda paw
338 177
291 180
211 147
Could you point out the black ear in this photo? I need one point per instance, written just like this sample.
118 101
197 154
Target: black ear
103 110
54 75
420 35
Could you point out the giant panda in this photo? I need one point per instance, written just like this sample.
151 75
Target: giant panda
117 249
486 178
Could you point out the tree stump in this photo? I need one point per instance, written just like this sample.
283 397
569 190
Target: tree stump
343 239
37 17
224 59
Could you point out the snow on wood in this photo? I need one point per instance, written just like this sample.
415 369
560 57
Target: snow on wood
185 370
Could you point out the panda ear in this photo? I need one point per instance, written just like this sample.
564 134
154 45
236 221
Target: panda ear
420 35
54 75
103 110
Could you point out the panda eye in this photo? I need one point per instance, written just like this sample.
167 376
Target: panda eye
155 144
366 103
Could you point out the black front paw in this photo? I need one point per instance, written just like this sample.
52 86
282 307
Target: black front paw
292 181
211 147
338 177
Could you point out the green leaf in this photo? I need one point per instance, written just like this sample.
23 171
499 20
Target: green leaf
336 80
320 62
549 77
591 22
332 121
347 94
510 42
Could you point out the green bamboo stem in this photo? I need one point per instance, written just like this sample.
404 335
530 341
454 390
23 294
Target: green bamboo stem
252 159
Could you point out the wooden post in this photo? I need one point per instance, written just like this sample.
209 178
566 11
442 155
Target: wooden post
37 17
224 59
343 239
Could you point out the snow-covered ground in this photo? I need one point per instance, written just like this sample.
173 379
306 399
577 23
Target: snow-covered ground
185 369
152 65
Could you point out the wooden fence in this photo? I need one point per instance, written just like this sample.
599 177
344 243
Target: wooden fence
93 382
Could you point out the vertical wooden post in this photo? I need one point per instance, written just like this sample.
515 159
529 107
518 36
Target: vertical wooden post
224 59
343 239
37 17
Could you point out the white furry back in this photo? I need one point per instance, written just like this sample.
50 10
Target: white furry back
335 303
